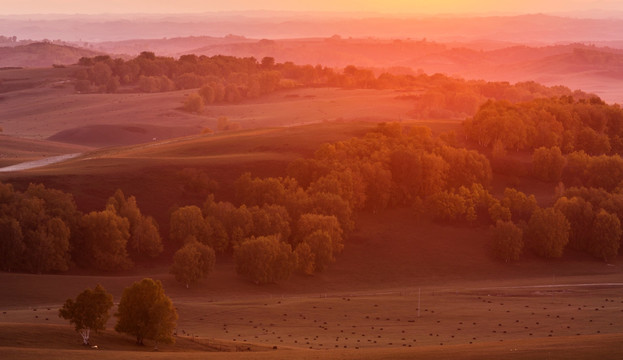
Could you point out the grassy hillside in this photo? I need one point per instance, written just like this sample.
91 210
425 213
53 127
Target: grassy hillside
15 150
41 54
65 116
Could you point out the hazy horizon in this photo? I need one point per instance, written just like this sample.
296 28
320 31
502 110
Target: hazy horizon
603 8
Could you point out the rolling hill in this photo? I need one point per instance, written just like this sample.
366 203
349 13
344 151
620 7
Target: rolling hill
41 54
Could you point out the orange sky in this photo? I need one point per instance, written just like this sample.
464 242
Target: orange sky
385 6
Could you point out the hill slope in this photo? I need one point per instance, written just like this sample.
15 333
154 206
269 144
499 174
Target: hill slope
41 54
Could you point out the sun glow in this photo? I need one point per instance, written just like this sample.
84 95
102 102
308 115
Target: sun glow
386 6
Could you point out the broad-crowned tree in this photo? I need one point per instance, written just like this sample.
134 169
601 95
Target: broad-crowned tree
188 221
146 312
264 259
89 311
104 240
548 232
193 262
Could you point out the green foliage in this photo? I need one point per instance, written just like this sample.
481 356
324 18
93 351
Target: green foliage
193 103
580 215
188 221
194 261
104 238
548 164
145 237
447 206
497 212
264 259
520 205
321 249
270 220
310 223
37 229
547 233
507 241
594 171
146 312
89 311
12 245
605 236
569 123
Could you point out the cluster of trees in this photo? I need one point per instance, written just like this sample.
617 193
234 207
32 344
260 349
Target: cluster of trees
584 219
144 311
595 216
299 222
577 168
571 124
279 228
228 79
43 231
391 166
446 97
221 78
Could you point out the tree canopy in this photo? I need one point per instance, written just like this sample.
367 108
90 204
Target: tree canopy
89 311
194 261
146 312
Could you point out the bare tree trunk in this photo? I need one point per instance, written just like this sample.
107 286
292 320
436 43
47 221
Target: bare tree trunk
85 336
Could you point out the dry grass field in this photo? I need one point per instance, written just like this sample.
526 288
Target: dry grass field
403 288
46 106
363 306
477 319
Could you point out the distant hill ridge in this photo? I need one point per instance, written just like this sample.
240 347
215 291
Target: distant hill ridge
41 54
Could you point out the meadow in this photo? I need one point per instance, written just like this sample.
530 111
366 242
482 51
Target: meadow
404 287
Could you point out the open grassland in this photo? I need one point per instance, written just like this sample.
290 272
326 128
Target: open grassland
48 107
16 150
478 319
365 306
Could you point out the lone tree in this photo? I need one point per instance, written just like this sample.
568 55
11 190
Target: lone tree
192 262
146 312
88 312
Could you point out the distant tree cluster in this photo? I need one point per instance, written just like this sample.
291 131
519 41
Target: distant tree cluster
448 97
43 231
144 311
228 79
570 124
221 79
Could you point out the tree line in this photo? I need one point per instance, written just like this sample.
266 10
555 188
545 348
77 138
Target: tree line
43 231
277 226
228 79
583 219
571 124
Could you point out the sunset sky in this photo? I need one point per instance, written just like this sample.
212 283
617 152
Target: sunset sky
384 6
